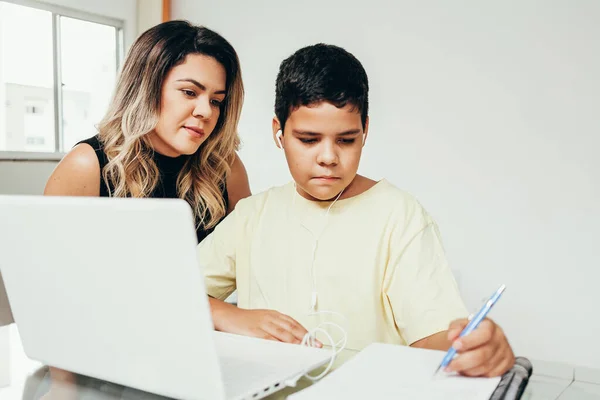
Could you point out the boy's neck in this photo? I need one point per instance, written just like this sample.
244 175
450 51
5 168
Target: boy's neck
359 185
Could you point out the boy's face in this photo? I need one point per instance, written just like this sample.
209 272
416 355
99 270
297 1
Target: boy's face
322 145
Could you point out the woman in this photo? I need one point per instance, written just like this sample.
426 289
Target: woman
170 131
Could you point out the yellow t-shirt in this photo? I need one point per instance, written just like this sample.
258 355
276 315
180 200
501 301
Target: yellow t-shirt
378 261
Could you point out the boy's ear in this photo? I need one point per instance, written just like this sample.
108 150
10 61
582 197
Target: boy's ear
276 133
366 131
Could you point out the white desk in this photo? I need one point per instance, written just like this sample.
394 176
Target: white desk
550 381
581 391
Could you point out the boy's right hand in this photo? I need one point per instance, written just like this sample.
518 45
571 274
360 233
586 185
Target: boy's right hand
265 324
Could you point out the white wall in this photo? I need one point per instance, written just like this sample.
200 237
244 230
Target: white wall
24 177
486 113
149 13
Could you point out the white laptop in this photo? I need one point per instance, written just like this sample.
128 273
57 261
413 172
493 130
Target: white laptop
112 289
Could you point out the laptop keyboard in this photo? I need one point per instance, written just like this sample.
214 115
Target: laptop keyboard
240 374
252 368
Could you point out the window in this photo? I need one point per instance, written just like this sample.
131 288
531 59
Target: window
57 71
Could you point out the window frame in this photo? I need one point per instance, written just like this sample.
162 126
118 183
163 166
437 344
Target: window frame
58 11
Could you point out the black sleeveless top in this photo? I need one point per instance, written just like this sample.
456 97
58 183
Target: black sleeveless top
168 168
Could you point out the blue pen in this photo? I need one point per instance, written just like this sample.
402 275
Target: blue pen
472 325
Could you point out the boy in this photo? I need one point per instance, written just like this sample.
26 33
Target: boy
335 241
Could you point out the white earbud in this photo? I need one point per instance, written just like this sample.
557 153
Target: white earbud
278 136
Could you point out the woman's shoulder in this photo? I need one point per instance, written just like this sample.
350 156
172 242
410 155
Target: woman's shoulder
96 144
237 187
77 174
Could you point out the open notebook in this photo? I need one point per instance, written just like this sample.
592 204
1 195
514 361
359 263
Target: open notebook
385 371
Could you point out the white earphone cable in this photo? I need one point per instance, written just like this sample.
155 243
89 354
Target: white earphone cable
310 337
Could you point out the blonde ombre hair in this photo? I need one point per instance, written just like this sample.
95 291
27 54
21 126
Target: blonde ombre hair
134 111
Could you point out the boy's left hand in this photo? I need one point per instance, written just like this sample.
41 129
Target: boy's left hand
483 352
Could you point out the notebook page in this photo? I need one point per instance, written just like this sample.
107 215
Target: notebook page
384 371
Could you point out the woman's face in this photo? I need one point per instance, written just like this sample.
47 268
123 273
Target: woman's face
190 105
